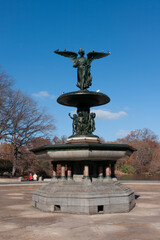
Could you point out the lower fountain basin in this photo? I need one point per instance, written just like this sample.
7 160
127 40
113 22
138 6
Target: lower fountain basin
83 152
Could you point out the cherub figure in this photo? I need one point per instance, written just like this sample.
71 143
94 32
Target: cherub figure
92 122
83 65
74 124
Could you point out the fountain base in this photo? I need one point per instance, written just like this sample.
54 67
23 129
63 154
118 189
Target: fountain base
85 197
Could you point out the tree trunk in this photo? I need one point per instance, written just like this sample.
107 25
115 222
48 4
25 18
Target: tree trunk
15 160
13 169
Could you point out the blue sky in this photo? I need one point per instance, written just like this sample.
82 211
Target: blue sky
31 30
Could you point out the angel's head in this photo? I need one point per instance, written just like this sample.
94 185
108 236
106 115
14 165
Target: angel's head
81 52
93 115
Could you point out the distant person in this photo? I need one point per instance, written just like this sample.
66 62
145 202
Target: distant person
30 177
35 177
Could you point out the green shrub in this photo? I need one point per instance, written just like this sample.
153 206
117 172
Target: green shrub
126 168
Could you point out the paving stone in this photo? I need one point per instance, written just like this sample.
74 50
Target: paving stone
26 222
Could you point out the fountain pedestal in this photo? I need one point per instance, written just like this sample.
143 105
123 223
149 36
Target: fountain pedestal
87 183
84 197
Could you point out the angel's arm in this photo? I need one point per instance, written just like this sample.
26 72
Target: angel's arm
70 116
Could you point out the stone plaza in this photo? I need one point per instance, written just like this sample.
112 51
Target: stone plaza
19 220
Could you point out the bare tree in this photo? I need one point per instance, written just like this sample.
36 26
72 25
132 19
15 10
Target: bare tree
5 90
144 134
57 140
25 121
5 84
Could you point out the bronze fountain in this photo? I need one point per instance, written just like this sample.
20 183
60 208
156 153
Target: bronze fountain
87 184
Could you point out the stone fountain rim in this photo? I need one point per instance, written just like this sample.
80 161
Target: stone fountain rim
83 146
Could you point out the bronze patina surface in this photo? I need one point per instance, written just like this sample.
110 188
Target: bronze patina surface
80 99
83 65
84 121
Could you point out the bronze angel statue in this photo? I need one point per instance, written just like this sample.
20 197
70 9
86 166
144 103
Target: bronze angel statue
83 65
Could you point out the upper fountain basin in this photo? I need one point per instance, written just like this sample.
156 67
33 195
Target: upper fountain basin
83 99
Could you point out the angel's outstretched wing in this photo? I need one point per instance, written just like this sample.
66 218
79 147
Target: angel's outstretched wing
69 54
96 55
